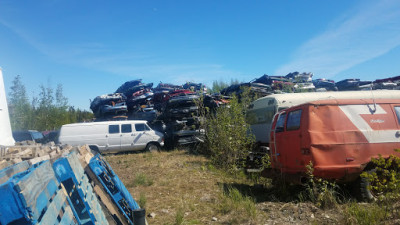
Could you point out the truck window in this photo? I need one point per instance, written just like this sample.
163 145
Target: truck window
293 121
280 124
397 109
113 129
126 128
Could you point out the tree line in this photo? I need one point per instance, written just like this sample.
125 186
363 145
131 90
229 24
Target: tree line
47 111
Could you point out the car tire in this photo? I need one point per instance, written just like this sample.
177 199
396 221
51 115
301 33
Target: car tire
151 147
361 190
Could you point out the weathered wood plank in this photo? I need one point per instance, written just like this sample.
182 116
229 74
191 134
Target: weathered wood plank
68 217
33 188
39 159
8 172
53 209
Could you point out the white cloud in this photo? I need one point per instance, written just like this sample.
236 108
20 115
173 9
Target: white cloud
365 33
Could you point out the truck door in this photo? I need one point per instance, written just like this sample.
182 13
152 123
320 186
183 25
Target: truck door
113 138
288 141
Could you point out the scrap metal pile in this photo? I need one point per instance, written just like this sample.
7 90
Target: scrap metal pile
49 184
172 109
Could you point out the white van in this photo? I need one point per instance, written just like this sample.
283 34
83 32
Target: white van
112 136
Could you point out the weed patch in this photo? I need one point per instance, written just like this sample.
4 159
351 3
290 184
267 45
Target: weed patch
232 200
363 214
321 192
142 180
142 200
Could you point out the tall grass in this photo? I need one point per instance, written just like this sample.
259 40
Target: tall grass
234 201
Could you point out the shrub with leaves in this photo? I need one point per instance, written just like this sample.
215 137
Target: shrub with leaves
384 179
228 139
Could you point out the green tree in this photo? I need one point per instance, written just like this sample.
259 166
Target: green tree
20 108
217 86
48 111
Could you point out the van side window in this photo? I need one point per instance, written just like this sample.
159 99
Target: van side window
280 124
397 109
140 127
113 129
293 121
126 128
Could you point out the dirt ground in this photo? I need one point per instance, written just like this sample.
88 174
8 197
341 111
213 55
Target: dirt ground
180 188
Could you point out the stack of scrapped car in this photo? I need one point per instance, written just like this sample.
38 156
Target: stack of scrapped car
180 116
109 105
139 99
302 81
276 83
256 89
323 84
196 87
348 84
390 83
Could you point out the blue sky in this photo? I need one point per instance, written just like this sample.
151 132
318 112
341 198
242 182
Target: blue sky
92 47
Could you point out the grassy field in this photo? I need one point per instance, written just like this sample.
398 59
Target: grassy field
181 188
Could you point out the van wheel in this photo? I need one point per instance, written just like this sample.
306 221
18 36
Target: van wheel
151 147
95 149
361 190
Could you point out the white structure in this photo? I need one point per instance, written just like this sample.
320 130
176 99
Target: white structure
6 138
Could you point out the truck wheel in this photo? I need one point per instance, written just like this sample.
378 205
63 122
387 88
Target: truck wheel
151 147
361 190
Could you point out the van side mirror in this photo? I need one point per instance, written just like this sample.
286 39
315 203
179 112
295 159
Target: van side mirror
279 129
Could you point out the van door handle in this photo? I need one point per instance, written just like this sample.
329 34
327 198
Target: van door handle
106 135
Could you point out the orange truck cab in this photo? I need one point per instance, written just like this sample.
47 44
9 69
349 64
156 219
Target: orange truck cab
339 137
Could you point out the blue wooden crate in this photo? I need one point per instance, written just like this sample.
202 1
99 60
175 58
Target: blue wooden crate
34 196
114 187
84 202
8 172
58 211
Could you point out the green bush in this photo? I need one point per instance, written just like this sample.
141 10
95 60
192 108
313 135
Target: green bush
228 139
384 179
